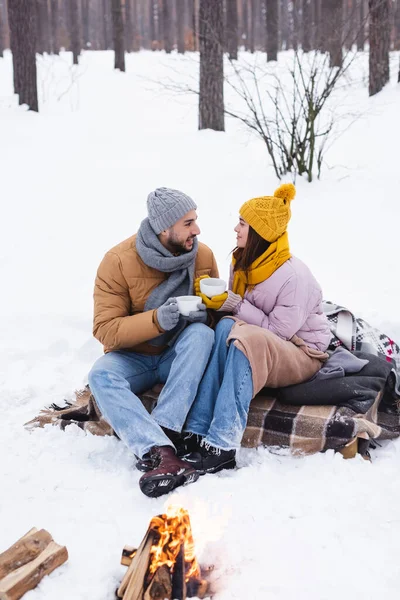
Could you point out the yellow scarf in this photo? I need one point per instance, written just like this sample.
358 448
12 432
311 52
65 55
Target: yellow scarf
263 267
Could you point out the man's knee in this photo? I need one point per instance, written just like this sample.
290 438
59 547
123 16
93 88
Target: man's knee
201 334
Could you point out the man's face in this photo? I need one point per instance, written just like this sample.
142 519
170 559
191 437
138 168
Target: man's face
180 237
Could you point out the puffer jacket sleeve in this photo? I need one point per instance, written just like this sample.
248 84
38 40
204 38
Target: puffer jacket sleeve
113 325
285 319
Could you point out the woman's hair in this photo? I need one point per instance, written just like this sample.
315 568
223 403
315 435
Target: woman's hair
255 247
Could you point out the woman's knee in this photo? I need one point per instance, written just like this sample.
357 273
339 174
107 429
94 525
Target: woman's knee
224 327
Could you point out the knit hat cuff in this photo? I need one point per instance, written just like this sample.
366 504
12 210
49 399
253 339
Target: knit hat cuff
260 227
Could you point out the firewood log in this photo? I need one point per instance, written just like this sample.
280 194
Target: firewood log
24 550
178 576
160 587
132 584
128 552
197 588
27 577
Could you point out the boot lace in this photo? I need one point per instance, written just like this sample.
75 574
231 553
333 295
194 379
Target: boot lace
209 448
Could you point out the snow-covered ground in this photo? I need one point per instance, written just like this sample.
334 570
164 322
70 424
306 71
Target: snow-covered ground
74 180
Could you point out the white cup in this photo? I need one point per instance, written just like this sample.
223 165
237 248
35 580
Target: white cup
188 304
211 286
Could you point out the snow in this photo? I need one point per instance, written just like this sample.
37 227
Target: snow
74 180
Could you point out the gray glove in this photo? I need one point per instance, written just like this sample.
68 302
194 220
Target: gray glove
168 314
198 316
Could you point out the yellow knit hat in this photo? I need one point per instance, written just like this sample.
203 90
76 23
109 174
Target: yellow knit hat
270 215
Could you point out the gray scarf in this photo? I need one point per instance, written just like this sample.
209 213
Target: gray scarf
181 269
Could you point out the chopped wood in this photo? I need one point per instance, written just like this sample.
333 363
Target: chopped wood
131 587
160 587
27 577
24 550
178 576
197 588
128 552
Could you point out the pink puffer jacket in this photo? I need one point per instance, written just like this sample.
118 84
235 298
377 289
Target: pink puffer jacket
287 303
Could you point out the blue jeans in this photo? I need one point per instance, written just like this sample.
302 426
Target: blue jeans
220 410
117 377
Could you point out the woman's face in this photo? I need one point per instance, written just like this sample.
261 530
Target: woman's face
242 231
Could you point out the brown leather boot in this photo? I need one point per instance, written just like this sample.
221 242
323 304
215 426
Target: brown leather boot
170 472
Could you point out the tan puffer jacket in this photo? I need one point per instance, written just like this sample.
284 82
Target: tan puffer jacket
123 284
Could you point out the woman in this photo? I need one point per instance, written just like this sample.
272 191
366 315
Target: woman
278 336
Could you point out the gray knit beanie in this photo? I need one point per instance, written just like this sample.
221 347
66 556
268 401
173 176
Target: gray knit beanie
166 206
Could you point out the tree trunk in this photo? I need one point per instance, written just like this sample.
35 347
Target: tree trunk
246 30
333 26
74 29
153 30
284 20
318 24
22 24
232 29
118 35
272 30
307 26
43 39
379 42
360 41
85 24
397 26
294 24
55 34
128 26
2 28
252 14
180 25
211 101
167 25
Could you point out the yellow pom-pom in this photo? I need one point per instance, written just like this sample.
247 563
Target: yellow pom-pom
286 191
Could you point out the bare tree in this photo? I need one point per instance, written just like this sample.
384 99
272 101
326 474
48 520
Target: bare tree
180 25
290 111
333 17
118 35
379 44
272 29
231 31
211 99
22 16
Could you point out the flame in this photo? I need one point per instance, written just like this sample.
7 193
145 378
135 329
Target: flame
173 529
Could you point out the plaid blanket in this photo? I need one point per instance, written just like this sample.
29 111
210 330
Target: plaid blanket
357 335
306 418
369 412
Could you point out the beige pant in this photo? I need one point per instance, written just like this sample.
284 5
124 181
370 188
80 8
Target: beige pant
275 362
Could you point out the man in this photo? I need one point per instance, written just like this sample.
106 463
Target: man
146 341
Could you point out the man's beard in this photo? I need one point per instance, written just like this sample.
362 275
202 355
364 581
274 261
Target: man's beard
177 247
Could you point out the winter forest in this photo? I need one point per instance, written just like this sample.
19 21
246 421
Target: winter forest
104 102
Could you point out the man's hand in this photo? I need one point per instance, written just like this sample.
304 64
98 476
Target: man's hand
168 314
198 316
